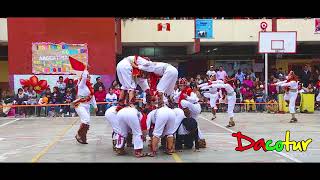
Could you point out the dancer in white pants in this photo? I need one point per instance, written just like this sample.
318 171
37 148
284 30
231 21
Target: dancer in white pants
85 97
231 98
212 94
128 80
168 74
129 120
112 118
291 94
164 124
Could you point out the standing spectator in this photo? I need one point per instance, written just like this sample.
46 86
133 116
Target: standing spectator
6 100
67 99
21 99
198 79
221 74
316 76
100 96
70 85
205 80
61 85
305 77
252 74
98 84
248 82
111 97
32 99
279 73
240 76
211 71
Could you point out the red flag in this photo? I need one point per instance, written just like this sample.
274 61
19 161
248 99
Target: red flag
76 65
159 27
163 26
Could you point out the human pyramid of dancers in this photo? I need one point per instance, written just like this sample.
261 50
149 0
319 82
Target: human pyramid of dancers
176 128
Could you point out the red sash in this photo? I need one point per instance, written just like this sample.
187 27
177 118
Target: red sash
135 71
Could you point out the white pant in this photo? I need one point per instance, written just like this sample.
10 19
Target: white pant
164 122
213 99
112 118
179 117
129 121
168 80
195 110
124 72
318 98
231 103
291 97
83 110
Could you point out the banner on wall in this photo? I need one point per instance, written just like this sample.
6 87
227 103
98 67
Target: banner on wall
317 25
51 58
204 28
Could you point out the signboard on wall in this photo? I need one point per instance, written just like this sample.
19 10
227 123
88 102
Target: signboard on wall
317 25
204 28
51 58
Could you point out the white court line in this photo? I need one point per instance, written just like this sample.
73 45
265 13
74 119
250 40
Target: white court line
9 122
280 153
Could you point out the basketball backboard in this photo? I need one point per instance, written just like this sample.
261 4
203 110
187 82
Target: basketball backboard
278 42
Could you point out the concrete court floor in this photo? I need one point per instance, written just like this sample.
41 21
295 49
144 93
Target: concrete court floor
52 140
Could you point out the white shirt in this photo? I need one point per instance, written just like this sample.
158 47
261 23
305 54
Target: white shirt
112 97
140 60
156 67
193 98
227 87
291 84
221 75
83 89
209 73
210 88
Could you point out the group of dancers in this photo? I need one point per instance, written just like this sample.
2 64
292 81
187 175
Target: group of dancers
159 119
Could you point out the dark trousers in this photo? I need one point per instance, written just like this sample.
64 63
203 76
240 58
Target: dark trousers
101 109
187 140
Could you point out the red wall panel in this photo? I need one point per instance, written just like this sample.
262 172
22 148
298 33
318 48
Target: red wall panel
98 33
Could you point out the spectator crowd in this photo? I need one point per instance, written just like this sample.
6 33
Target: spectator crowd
249 90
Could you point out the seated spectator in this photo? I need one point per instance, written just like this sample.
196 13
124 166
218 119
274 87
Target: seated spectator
67 99
272 105
70 85
111 98
257 82
43 101
56 98
100 96
32 100
61 85
199 80
98 84
249 99
20 99
259 96
6 100
309 89
248 82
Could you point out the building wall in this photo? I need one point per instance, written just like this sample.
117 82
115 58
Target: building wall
305 28
98 33
3 30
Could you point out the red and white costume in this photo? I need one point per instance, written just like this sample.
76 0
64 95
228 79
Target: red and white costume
130 121
167 72
213 93
291 94
125 73
112 118
231 96
85 97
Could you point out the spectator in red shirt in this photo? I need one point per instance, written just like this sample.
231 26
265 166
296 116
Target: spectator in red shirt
249 100
100 96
